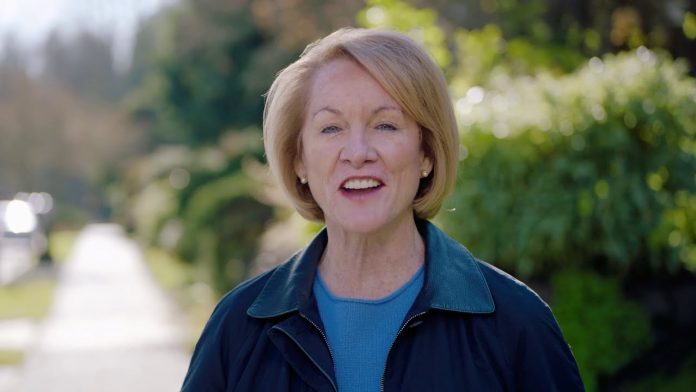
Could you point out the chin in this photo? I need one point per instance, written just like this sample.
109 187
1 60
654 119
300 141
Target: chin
365 223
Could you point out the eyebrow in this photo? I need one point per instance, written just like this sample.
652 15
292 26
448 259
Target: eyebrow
328 109
383 108
336 111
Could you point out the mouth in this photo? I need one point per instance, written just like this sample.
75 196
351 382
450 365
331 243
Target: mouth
361 185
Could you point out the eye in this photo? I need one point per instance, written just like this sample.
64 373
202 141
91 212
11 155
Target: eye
330 129
386 127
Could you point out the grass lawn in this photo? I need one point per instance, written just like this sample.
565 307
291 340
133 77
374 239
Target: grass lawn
11 358
60 244
27 299
30 297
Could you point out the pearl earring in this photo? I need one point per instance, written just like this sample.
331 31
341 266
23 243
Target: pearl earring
424 173
303 180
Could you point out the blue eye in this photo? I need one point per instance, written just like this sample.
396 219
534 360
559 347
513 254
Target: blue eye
386 127
330 129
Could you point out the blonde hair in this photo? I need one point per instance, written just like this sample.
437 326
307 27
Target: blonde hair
404 70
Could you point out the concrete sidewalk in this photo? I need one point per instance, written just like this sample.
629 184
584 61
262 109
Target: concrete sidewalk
110 328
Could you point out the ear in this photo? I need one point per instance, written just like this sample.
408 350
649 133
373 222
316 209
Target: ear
426 160
300 170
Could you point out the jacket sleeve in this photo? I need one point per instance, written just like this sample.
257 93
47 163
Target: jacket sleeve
543 359
206 370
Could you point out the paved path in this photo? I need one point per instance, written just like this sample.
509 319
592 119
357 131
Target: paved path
110 329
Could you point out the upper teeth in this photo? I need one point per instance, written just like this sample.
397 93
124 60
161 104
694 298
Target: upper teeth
361 184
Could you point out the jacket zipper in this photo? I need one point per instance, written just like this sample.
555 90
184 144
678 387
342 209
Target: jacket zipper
384 372
326 341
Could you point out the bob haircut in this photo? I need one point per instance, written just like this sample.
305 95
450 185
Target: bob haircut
404 70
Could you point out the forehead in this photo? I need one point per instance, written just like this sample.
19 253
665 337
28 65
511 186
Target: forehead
336 67
344 78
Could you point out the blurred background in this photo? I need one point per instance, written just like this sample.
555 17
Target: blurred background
133 183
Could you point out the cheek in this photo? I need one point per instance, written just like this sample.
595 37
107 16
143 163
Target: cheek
408 157
318 153
310 143
313 158
317 164
309 153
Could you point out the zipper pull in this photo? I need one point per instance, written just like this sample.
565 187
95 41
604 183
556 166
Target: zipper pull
415 324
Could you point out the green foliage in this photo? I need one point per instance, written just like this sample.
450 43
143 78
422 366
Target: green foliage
689 25
222 227
679 380
604 330
212 61
198 88
148 207
202 205
83 64
484 56
420 24
595 168
473 57
171 273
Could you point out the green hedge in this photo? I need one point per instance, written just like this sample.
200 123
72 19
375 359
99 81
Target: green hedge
201 205
593 169
223 223
604 330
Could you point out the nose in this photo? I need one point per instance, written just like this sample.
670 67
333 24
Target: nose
357 149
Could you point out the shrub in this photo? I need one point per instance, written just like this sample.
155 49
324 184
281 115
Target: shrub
681 379
200 204
604 330
593 169
222 227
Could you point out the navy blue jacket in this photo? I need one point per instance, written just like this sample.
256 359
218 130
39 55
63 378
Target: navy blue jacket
472 327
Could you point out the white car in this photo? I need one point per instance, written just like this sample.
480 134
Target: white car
22 239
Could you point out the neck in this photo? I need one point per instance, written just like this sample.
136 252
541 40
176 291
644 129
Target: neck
371 265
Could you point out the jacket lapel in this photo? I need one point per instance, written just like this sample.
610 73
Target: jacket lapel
300 337
453 279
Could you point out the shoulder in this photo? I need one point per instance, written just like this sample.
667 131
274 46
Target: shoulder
234 303
512 297
533 342
521 314
265 296
223 335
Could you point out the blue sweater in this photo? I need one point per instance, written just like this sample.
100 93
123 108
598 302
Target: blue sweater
361 331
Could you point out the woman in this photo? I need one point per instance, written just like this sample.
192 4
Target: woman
361 134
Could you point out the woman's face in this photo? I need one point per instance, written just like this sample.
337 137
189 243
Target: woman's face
361 153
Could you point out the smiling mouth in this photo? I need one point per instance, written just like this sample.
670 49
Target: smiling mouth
361 185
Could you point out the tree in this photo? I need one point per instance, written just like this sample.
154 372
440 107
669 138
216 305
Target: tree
55 140
83 64
217 59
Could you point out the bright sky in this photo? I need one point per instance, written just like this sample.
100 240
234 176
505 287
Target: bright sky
30 21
